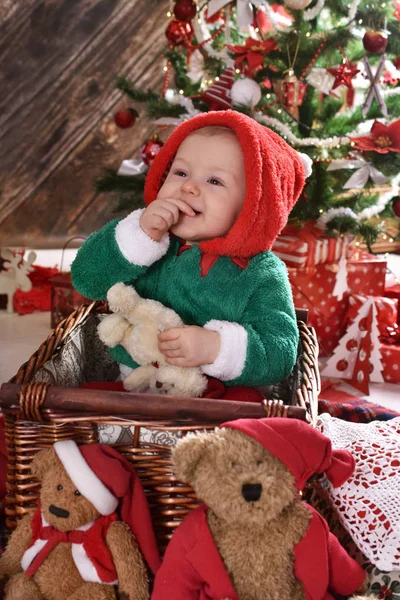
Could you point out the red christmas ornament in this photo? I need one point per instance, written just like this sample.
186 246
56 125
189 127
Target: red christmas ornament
290 93
343 74
179 32
185 10
396 206
150 149
125 118
375 41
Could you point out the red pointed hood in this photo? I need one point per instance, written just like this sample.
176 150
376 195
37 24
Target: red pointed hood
275 177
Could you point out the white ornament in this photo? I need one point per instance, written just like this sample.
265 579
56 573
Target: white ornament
297 4
246 92
196 66
15 276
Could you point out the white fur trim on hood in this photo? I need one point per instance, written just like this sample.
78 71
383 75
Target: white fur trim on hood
231 359
135 245
307 163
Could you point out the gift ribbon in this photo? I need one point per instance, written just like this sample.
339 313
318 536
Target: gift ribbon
341 276
244 10
132 168
374 91
364 171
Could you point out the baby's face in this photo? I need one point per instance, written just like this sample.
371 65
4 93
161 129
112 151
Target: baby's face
208 174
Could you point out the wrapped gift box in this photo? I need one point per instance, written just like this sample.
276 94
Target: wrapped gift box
64 298
391 363
312 288
308 246
394 292
369 349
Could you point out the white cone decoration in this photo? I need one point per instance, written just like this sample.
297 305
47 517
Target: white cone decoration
246 92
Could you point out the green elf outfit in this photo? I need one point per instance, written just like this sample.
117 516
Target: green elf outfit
232 284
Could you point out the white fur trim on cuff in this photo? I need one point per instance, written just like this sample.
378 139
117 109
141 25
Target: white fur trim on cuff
231 359
135 245
84 478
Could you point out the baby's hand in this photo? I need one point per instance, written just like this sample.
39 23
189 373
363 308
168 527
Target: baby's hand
189 346
161 215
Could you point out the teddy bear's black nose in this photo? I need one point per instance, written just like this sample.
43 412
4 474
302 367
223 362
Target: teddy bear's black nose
251 492
59 512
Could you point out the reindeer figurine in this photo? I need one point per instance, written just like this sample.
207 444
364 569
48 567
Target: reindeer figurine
16 275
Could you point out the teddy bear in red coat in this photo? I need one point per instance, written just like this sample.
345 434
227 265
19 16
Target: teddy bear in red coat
254 538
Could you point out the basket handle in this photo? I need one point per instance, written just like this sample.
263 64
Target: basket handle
76 237
32 397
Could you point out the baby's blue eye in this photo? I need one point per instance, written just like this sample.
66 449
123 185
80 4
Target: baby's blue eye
214 181
180 173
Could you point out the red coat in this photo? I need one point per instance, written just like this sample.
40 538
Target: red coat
192 568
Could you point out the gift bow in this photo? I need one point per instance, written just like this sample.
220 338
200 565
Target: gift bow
364 171
131 168
244 10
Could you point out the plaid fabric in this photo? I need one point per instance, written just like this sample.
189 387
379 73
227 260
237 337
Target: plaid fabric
350 408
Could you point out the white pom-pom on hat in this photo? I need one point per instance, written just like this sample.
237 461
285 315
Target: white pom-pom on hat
307 163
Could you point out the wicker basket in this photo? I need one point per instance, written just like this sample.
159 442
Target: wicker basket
38 414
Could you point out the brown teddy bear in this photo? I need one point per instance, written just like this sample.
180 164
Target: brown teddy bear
74 545
254 538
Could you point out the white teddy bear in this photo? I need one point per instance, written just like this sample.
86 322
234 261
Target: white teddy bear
135 324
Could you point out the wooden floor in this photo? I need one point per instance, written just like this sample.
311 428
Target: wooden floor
59 60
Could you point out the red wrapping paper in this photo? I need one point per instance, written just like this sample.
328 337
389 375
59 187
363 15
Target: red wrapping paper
312 288
394 292
391 363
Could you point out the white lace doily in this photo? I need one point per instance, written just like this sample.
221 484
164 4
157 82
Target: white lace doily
368 504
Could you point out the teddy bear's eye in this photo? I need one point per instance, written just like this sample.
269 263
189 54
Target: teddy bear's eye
77 493
233 465
59 488
259 463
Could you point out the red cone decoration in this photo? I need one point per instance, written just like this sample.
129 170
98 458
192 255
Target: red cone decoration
218 96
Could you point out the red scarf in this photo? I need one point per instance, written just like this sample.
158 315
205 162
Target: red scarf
93 541
208 260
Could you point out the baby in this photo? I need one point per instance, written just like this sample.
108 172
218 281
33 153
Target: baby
217 195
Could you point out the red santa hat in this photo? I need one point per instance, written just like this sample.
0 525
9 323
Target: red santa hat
301 448
275 176
107 480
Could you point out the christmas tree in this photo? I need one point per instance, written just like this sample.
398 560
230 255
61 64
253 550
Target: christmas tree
321 73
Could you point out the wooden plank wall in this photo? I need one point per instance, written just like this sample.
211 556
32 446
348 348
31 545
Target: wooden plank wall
59 60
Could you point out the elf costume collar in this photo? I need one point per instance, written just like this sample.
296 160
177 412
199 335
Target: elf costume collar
207 261
275 176
89 550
